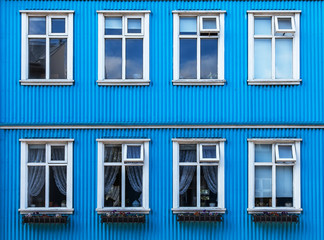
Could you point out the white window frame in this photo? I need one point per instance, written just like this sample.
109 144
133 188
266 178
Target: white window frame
221 171
202 159
274 164
296 47
100 180
201 22
68 15
145 35
278 30
293 151
68 143
220 15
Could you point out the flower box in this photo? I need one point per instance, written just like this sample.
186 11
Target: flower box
123 218
275 217
45 219
203 217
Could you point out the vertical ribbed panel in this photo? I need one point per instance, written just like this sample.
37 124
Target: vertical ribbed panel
161 223
161 102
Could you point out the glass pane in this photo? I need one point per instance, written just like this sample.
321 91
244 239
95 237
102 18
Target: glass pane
113 26
188 186
134 25
134 58
134 186
263 152
57 187
188 25
208 186
284 23
36 153
262 59
188 153
285 151
209 23
209 151
36 186
208 60
113 153
37 58
284 58
188 58
113 58
284 186
262 26
58 153
58 25
58 58
133 152
263 186
112 189
37 25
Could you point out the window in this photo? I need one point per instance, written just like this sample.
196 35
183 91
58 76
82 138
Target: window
198 47
198 175
47 48
123 175
274 175
274 47
46 176
123 48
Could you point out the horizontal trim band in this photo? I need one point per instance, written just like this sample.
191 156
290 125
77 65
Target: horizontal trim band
46 11
123 11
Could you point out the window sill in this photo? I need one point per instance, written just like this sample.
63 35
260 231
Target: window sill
47 211
279 210
274 82
119 82
46 82
193 210
130 210
201 82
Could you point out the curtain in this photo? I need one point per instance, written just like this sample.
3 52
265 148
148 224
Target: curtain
186 172
59 172
110 174
36 175
210 175
135 177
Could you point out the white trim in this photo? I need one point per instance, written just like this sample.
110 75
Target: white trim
198 140
126 82
47 211
46 82
292 21
118 12
265 12
120 209
140 159
202 159
193 210
121 141
271 209
274 82
195 12
201 24
293 152
274 140
46 11
202 82
46 140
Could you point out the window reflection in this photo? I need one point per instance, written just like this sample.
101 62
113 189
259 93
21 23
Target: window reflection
113 59
188 58
37 25
37 58
58 58
134 58
208 60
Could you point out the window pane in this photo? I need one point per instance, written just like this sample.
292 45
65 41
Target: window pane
134 58
58 25
284 58
188 186
263 186
188 58
112 189
58 58
36 153
58 153
134 25
188 25
113 153
57 187
284 186
188 153
113 58
208 60
209 23
209 151
37 25
133 152
134 186
262 59
285 151
208 186
113 26
37 58
36 186
284 23
263 152
262 26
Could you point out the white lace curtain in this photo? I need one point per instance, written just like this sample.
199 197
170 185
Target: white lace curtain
135 177
36 175
210 175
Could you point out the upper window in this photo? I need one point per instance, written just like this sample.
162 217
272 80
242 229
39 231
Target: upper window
274 47
123 175
198 175
47 48
274 175
46 175
198 48
123 47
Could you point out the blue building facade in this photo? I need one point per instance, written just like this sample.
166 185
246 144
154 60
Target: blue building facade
162 112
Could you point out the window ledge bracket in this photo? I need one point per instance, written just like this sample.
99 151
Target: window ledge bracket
193 210
278 210
201 82
46 82
274 82
128 82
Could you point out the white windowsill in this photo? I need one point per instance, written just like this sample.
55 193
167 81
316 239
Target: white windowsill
123 82
274 82
218 82
47 210
46 82
193 210
278 209
117 210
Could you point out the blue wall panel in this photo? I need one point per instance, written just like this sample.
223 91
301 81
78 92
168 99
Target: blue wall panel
161 223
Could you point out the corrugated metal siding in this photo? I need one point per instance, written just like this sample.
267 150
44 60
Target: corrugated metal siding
161 102
161 223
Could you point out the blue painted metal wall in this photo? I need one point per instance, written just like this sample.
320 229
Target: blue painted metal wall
161 102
